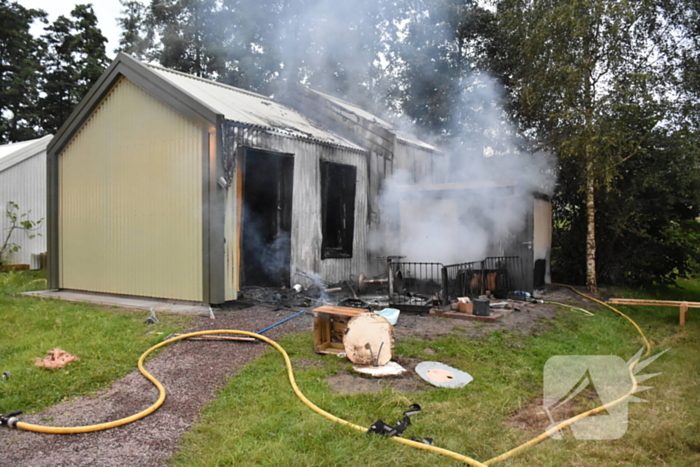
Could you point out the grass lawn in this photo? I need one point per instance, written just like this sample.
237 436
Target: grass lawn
107 341
257 420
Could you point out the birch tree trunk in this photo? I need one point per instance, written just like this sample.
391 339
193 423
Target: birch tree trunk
591 281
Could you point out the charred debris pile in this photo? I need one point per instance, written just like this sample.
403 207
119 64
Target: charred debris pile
408 286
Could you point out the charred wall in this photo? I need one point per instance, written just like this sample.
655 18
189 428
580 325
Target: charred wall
306 224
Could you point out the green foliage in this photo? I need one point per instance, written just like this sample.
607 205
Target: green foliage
16 222
134 39
262 45
42 79
189 39
647 226
435 62
20 68
75 58
581 83
107 342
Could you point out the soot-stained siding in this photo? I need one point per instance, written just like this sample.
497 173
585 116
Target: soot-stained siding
306 230
338 182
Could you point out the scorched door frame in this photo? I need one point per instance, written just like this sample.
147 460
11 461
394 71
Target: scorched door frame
273 216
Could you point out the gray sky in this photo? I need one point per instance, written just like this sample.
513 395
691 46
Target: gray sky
107 12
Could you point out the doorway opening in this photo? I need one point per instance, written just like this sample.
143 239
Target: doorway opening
266 222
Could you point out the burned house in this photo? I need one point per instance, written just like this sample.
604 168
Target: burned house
166 185
420 207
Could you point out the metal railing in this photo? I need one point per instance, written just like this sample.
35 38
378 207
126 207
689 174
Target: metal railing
415 284
464 280
496 274
423 285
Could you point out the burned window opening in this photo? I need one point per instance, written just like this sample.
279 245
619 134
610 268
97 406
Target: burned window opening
337 209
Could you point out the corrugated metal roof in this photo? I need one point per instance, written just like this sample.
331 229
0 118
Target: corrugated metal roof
14 153
249 108
402 136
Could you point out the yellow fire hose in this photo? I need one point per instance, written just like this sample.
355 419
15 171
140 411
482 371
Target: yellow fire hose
14 423
647 344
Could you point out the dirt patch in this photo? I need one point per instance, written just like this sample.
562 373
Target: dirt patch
523 320
532 417
345 383
566 295
349 382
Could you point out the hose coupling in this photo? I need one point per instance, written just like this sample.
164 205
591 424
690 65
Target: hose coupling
10 419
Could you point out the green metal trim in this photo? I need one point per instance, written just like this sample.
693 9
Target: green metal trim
52 219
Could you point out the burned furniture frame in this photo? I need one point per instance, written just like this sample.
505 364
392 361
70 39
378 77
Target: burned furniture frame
416 287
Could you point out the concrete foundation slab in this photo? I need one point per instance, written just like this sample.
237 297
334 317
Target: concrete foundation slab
139 303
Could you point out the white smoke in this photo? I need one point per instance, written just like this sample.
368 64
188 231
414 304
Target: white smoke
484 205
483 149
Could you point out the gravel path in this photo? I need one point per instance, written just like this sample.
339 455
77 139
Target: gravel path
191 372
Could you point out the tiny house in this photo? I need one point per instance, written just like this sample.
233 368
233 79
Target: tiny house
166 185
171 186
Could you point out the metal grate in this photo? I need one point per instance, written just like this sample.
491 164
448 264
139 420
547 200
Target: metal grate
416 284
464 280
497 274
510 274
422 285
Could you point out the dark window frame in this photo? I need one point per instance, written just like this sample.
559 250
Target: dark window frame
338 193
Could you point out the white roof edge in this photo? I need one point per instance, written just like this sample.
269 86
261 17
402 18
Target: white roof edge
417 143
209 81
36 147
355 108
345 145
497 183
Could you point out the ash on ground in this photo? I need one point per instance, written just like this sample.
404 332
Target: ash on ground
311 297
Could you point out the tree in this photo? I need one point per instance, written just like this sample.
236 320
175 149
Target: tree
20 67
649 232
334 47
74 60
437 81
187 36
434 59
135 39
584 85
250 50
687 22
261 45
646 225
